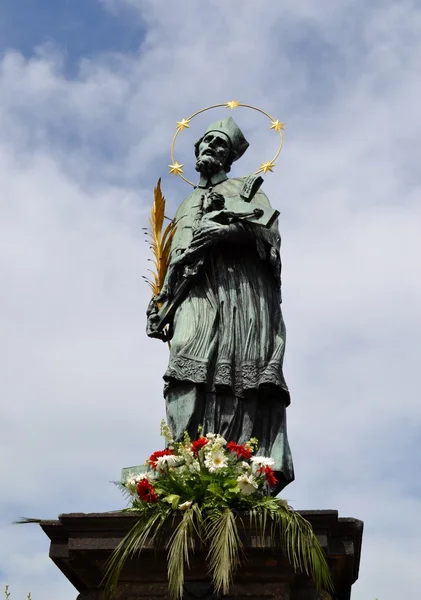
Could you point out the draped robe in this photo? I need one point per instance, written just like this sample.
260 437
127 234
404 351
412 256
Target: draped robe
225 366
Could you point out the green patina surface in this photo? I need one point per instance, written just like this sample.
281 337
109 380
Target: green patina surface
222 304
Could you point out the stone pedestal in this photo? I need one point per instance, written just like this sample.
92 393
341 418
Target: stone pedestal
82 543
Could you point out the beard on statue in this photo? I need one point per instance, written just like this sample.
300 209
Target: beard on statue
209 164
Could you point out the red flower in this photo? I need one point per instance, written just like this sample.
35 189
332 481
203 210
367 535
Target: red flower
240 451
195 446
270 475
152 460
145 491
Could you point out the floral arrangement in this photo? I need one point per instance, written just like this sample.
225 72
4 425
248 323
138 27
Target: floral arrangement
213 486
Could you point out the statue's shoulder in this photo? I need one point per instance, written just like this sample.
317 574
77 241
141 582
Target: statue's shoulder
232 186
235 185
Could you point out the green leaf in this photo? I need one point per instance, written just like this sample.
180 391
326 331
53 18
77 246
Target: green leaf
215 490
229 483
173 499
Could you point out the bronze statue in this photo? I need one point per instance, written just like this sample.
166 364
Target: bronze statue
221 308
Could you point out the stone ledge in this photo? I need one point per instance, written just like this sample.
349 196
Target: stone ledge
81 544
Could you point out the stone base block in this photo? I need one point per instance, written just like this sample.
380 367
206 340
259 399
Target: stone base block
82 543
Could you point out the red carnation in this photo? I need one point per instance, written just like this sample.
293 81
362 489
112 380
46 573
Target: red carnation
195 446
240 451
145 491
152 460
270 476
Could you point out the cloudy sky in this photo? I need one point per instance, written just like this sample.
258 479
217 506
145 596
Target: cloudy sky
90 91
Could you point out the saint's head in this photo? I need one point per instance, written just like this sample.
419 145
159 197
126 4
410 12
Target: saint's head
222 144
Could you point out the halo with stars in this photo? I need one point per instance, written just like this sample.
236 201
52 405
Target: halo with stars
177 169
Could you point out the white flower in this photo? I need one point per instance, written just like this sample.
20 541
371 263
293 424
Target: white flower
220 441
185 505
247 484
131 484
163 462
194 467
215 443
216 439
245 465
215 460
166 432
186 454
132 481
262 461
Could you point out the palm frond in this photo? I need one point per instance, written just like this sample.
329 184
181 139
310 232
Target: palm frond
160 242
25 520
126 493
179 545
216 526
224 550
281 523
302 547
158 211
148 526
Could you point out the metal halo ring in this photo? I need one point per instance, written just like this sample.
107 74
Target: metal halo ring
177 169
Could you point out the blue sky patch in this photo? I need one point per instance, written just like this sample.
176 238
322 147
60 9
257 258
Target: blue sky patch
79 28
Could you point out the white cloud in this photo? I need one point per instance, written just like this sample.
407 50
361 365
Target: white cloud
81 383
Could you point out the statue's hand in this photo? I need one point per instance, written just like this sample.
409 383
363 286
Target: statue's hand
161 297
153 319
209 232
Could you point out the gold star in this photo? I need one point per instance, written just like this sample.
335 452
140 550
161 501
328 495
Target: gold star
176 168
232 104
277 125
183 124
267 166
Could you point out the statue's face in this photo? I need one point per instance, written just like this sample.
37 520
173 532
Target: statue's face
215 144
213 153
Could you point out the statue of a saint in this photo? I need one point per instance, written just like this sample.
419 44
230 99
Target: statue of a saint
226 327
